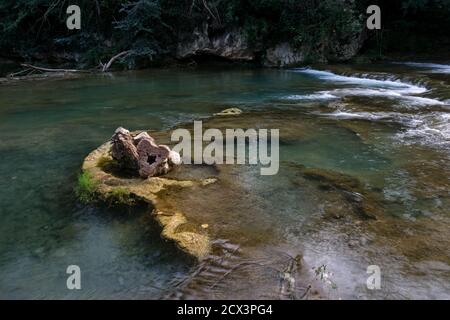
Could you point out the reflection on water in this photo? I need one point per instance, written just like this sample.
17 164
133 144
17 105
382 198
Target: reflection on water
355 142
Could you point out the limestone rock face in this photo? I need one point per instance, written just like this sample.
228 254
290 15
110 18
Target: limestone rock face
230 45
339 50
283 55
142 154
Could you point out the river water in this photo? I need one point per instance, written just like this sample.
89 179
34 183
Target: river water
385 126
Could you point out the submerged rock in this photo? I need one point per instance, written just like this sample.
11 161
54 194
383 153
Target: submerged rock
187 235
360 200
229 112
330 178
142 154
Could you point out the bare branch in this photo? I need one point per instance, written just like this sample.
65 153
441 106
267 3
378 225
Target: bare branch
53 70
108 65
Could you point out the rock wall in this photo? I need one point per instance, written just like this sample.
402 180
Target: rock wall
283 55
233 45
230 45
339 50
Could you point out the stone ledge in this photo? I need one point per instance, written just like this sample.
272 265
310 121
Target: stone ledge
188 236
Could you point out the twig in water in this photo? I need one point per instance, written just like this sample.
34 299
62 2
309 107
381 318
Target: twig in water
52 70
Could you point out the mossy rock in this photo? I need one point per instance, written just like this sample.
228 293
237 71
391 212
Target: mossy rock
102 180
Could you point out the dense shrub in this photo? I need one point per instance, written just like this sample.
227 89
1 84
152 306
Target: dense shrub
149 29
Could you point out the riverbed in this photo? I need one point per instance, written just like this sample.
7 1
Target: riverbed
379 131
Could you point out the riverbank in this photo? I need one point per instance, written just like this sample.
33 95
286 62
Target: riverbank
12 71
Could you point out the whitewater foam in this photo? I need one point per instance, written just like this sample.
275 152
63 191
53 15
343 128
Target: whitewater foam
408 100
402 91
433 67
426 129
314 96
329 76
358 115
430 128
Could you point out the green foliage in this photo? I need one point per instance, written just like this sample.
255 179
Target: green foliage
31 29
150 29
86 192
141 16
325 276
322 22
141 28
308 24
412 26
85 188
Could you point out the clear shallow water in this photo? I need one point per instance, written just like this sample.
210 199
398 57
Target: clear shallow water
388 126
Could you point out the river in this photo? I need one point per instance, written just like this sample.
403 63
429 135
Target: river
386 126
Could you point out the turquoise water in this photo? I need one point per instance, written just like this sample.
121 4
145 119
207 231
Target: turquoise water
365 128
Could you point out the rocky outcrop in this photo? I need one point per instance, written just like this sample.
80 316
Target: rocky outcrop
124 149
233 45
102 171
142 154
283 55
333 50
230 45
341 50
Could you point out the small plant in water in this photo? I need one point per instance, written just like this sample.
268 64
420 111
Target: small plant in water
85 188
120 195
325 276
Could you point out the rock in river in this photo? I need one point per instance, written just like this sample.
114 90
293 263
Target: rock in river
142 154
229 112
105 166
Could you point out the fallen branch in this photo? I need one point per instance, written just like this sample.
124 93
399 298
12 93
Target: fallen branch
108 65
53 70
15 74
239 265
29 69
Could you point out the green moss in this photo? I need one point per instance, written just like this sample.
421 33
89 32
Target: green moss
86 191
108 164
120 196
111 166
86 188
188 227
